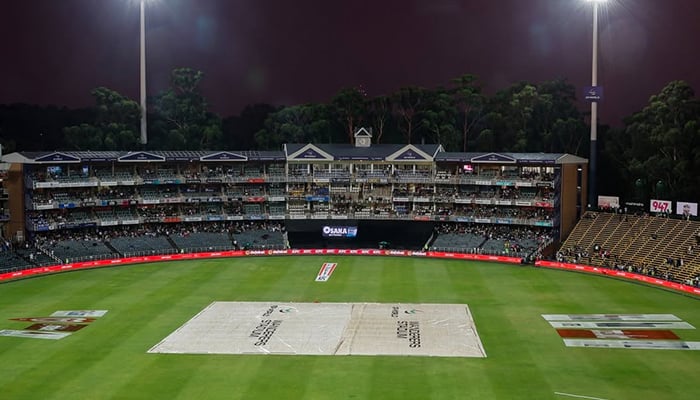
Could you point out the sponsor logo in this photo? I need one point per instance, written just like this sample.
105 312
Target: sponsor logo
617 334
325 272
80 313
56 320
621 331
34 334
54 328
409 331
264 331
339 231
57 326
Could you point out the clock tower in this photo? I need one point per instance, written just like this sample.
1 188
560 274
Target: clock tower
363 137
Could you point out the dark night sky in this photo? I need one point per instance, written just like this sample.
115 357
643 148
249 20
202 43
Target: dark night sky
296 51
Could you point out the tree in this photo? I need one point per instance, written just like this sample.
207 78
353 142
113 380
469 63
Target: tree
349 105
187 123
664 141
406 103
116 124
438 118
379 114
470 104
238 132
557 125
297 124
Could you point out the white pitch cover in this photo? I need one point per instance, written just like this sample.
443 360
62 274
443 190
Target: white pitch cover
444 330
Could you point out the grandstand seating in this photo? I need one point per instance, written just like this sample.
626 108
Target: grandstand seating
145 244
9 261
200 241
643 244
76 249
259 239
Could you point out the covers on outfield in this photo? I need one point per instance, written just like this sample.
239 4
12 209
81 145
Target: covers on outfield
445 330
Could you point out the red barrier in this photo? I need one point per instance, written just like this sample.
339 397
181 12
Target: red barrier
620 274
241 253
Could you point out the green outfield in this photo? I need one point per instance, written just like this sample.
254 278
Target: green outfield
526 358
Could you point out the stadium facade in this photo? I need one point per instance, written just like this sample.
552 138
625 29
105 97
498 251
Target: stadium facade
304 186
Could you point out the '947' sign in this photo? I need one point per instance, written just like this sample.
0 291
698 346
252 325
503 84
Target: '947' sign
658 206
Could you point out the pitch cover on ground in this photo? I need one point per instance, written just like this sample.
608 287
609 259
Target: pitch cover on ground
445 330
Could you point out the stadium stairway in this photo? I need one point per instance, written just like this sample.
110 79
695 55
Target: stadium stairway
110 247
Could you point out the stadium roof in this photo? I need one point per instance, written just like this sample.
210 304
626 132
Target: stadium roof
376 152
52 157
299 152
514 158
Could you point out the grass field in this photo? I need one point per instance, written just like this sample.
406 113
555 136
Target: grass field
526 359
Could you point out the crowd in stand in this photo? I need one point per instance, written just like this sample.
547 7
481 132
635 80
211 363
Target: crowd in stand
513 239
96 240
579 255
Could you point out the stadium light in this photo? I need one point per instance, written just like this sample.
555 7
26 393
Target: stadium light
144 124
592 171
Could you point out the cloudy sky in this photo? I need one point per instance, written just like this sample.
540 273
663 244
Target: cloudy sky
290 52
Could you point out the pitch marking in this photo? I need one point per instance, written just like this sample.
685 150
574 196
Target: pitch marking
578 396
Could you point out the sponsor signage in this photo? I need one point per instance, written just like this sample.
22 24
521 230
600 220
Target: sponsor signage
325 272
610 317
686 209
633 344
608 202
409 155
621 325
660 206
593 93
34 334
320 199
621 331
632 334
57 158
339 231
57 326
493 158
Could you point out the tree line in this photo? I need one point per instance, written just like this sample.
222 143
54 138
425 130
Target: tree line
654 154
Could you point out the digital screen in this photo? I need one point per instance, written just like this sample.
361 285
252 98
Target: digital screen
339 231
468 168
608 202
687 209
55 170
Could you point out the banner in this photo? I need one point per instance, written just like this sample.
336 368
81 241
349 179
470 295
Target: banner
686 209
339 231
607 202
325 272
659 206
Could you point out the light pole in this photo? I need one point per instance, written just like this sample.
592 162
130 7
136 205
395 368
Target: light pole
592 167
144 134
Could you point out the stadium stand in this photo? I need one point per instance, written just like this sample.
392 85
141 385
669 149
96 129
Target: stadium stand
662 247
86 205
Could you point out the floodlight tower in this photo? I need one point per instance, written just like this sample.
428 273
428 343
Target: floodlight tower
595 96
144 134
